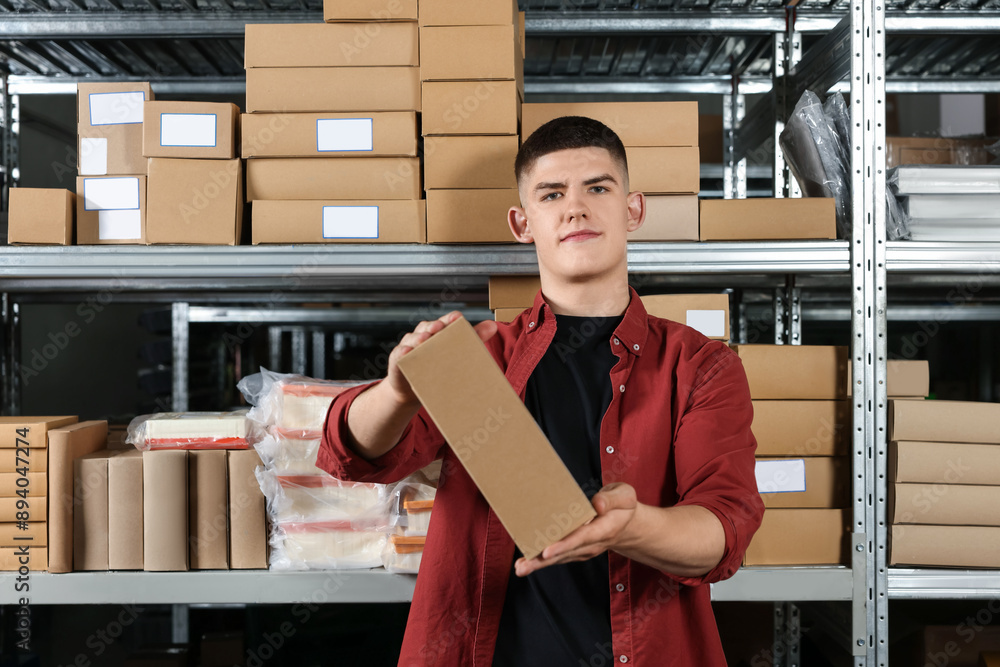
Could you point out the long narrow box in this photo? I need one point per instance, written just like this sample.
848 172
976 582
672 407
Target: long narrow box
361 221
111 210
470 108
669 218
335 89
32 485
205 130
635 123
125 510
164 510
35 535
209 511
706 313
41 216
32 460
662 171
383 134
801 428
462 12
65 445
456 163
944 421
334 178
332 45
906 378
17 508
109 128
943 463
369 10
90 511
815 482
945 504
800 537
12 559
194 201
768 219
476 53
520 475
795 371
470 216
945 546
247 517
29 432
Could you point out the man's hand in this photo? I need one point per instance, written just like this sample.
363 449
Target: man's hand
615 505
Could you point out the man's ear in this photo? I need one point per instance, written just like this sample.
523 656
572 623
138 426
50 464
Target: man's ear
518 224
636 202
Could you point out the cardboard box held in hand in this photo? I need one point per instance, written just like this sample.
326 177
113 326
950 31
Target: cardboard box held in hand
496 438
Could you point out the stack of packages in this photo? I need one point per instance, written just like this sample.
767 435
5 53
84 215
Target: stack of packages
472 82
194 190
111 187
949 203
331 131
413 500
661 145
800 411
24 495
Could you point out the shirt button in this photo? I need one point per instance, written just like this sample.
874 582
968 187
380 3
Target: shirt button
636 348
621 388
617 341
623 658
620 587
609 449
531 324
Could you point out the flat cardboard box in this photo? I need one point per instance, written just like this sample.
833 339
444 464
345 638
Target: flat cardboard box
11 535
384 134
369 10
12 559
520 475
41 216
800 537
462 12
209 512
65 445
943 463
767 219
706 313
944 504
194 201
470 216
945 546
332 89
104 104
513 291
635 123
711 138
90 511
936 150
30 432
109 128
17 508
164 510
205 130
35 460
111 210
362 221
247 517
348 178
802 428
506 314
472 53
817 372
125 510
989 659
13 483
469 107
944 421
664 171
368 44
460 163
906 378
826 481
669 218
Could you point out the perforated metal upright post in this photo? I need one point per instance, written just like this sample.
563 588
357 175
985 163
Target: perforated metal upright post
734 173
181 339
11 352
10 129
787 52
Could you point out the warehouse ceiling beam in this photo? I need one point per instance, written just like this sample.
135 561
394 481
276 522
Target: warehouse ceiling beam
126 25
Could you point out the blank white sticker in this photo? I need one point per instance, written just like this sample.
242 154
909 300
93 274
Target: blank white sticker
93 156
188 129
786 476
100 194
350 222
344 134
119 225
708 322
116 108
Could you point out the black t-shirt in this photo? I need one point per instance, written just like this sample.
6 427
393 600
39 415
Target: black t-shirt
562 613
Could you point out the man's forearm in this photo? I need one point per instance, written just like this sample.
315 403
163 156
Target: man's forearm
376 421
687 541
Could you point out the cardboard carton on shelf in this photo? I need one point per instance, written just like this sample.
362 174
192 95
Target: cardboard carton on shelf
802 427
816 372
907 379
16 508
125 526
669 218
11 484
635 123
165 510
664 170
13 559
66 444
706 313
945 546
375 44
459 13
369 10
376 134
208 507
332 89
470 216
943 463
470 107
14 534
513 291
109 128
944 504
361 221
800 537
460 163
937 150
28 431
472 53
506 314
194 201
111 210
31 460
767 219
247 515
206 130
710 138
90 511
944 421
354 178
41 216
815 482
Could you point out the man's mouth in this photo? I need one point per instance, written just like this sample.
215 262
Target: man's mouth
582 235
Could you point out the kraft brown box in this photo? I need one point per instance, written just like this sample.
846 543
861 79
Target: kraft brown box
906 378
513 291
635 123
506 314
520 475
41 216
65 445
800 537
369 10
943 463
12 535
945 546
382 134
459 163
768 219
209 512
206 130
194 201
795 371
247 517
348 178
459 12
90 511
34 460
164 510
470 216
125 510
361 221
109 128
663 171
801 428
332 89
331 45
669 218
827 483
33 485
30 432
464 53
944 504
34 558
470 107
944 421
17 508
706 313
111 210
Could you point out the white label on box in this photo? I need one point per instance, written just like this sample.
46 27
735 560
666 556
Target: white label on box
188 129
116 108
786 476
711 323
344 134
350 222
119 225
103 194
93 156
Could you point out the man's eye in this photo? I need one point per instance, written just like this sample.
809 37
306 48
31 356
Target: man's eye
599 189
550 196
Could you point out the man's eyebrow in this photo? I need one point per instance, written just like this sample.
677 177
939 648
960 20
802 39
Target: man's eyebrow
598 179
549 186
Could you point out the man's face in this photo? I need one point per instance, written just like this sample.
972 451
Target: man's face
577 211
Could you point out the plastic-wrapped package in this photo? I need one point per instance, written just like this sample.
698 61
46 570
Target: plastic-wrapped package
401 555
896 221
292 402
318 546
190 430
986 230
411 507
920 179
961 206
290 452
322 498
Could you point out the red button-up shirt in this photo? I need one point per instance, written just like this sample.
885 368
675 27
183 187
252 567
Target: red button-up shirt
677 430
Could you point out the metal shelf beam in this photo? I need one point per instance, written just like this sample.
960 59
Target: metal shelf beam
949 21
942 257
929 584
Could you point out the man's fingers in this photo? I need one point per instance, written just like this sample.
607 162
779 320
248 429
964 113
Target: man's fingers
486 329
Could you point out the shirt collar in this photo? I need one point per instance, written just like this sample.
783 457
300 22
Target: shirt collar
632 330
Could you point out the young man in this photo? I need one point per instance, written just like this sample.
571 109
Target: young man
652 418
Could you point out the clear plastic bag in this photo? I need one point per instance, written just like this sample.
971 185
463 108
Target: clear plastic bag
312 546
323 499
411 508
288 452
897 226
190 430
292 402
402 555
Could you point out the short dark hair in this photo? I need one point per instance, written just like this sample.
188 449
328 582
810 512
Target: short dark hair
565 133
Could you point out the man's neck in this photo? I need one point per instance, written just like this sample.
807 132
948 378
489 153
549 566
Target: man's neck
605 297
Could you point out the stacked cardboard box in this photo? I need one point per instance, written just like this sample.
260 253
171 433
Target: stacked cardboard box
41 216
950 203
111 187
765 218
472 85
331 131
661 144
801 423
